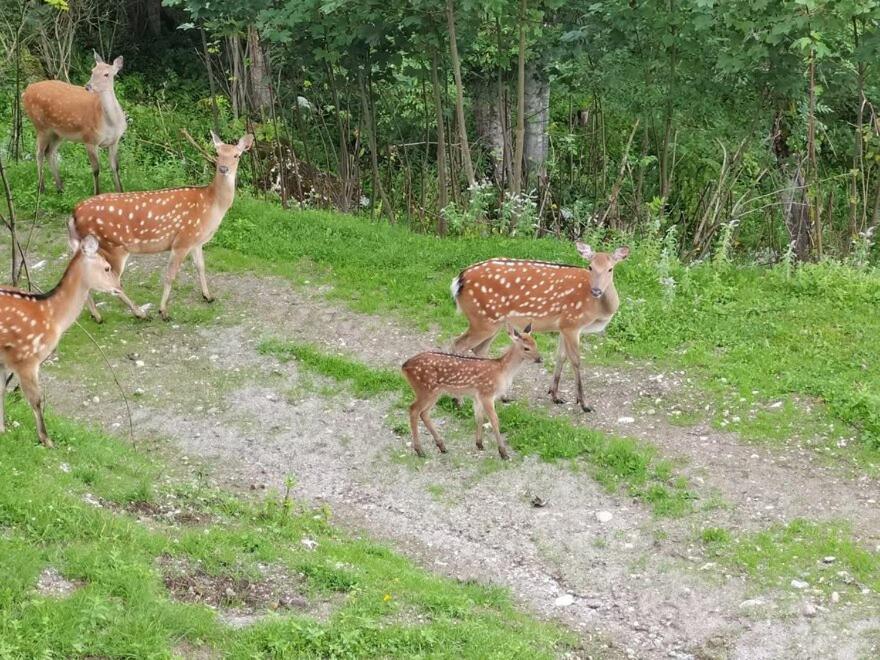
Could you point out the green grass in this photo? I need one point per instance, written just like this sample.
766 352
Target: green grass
380 604
616 462
782 553
752 335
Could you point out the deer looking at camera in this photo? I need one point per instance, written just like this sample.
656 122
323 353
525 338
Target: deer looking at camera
553 297
179 220
434 373
31 324
93 116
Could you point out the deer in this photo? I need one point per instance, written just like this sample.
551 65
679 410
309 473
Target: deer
433 373
175 220
553 297
91 115
31 324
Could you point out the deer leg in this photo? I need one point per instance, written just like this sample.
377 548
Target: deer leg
433 431
557 371
572 349
113 157
117 261
92 150
42 149
199 259
52 155
478 419
477 338
2 399
488 404
93 309
177 257
29 378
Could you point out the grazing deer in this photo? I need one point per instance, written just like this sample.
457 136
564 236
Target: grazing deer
434 373
552 297
31 324
93 116
179 220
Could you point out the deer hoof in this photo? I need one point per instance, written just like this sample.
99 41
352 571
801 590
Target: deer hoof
208 299
165 315
47 442
504 455
506 399
442 448
586 408
557 400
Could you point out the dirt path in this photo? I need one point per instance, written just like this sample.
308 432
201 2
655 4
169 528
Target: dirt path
638 582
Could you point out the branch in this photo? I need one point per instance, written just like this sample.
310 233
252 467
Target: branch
202 151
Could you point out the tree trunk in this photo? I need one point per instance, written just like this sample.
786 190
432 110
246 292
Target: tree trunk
466 163
215 116
489 120
442 192
516 179
261 95
154 16
537 121
369 124
795 203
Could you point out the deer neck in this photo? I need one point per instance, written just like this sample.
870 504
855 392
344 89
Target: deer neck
111 111
67 299
511 362
222 191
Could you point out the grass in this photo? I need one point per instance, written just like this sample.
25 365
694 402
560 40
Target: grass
616 462
824 555
381 605
753 335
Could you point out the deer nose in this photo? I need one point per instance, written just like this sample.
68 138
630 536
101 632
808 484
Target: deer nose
223 169
597 293
88 87
539 360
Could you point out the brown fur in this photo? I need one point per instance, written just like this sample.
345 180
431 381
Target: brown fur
32 324
433 373
552 297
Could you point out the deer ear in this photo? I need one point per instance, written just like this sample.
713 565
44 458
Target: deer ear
90 246
528 329
246 142
98 58
621 253
585 251
216 140
512 332
117 64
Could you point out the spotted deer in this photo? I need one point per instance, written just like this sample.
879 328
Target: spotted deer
31 324
176 220
434 373
91 115
552 297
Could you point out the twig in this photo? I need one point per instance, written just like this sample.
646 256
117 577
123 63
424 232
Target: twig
207 156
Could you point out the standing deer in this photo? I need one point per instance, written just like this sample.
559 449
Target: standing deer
31 324
433 373
179 220
553 297
93 116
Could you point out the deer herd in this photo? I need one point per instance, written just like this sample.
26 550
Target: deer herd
523 296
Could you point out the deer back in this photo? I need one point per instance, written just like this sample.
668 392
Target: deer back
151 221
550 295
67 110
433 371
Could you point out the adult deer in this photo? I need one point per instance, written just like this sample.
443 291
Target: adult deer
179 220
553 297
93 116
31 324
434 373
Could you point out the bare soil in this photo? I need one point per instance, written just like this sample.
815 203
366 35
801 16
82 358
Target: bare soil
640 583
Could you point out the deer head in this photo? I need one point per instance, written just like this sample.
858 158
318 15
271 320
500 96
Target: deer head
228 155
103 74
601 266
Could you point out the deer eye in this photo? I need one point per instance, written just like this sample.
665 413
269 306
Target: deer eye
610 269
106 75
590 268
107 269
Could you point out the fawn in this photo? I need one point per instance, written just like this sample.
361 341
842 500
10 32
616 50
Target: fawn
93 116
31 324
552 297
179 220
433 373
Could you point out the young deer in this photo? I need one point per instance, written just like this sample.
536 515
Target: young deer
31 324
93 116
434 373
553 297
179 220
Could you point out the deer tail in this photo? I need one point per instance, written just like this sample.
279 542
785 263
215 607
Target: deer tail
455 288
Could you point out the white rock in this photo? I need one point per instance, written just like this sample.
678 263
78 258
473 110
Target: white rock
776 404
830 559
799 584
751 602
564 601
604 516
808 609
139 363
625 420
311 544
835 597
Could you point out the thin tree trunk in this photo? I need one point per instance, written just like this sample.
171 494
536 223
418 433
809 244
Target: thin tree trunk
261 95
489 125
369 125
212 85
442 192
466 163
537 121
516 179
344 172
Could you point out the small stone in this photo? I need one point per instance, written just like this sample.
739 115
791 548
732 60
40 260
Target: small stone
751 602
139 363
310 544
96 399
799 584
835 597
230 592
830 559
625 420
564 601
604 516
808 609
